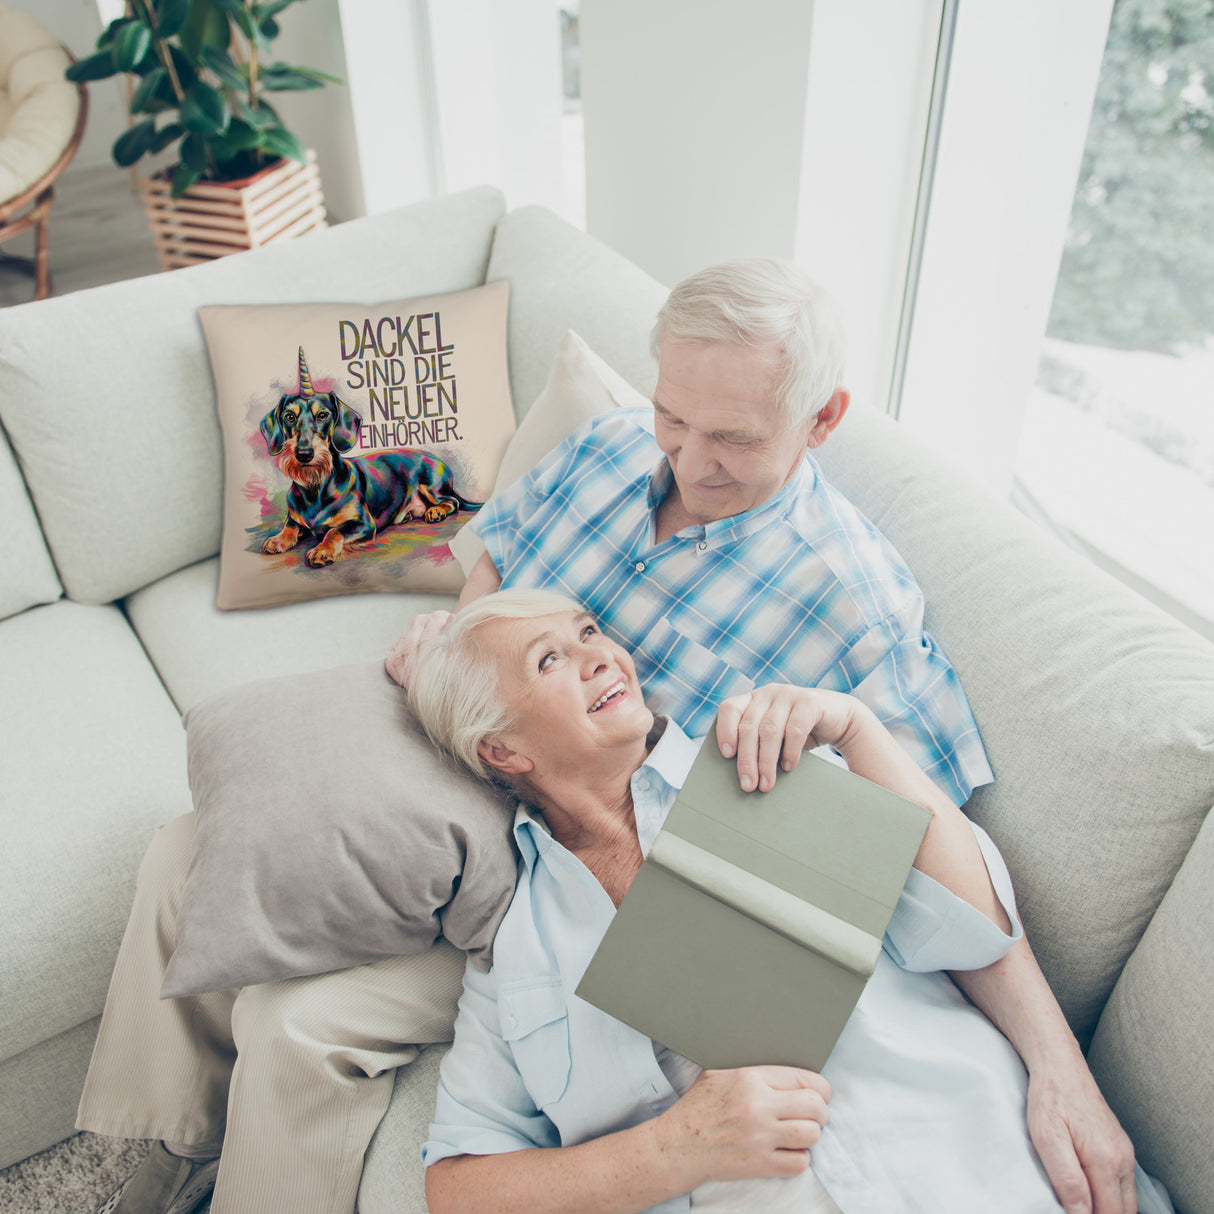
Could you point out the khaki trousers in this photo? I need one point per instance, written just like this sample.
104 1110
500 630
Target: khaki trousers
293 1076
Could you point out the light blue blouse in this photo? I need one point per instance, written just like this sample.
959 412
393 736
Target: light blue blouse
928 1104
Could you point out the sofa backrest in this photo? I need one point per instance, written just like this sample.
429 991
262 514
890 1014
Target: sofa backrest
1095 708
561 279
29 573
1097 712
107 394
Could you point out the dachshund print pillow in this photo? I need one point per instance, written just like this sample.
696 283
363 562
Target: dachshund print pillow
358 441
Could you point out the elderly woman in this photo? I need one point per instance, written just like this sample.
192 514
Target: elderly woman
547 1103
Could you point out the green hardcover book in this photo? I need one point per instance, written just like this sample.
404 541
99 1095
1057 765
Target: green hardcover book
757 918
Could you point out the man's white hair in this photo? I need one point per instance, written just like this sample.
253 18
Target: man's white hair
763 303
455 690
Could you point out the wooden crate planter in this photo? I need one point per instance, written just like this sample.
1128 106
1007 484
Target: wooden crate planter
215 218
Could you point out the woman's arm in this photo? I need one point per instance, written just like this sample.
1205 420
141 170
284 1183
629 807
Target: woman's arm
484 579
730 1125
769 727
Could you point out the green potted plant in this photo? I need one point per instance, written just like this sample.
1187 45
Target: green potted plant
201 71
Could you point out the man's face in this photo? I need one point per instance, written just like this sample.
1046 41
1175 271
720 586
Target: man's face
716 420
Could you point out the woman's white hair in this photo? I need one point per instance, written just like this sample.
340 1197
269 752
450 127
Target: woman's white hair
763 303
455 692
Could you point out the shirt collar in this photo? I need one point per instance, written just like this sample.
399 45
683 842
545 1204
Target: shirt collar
737 526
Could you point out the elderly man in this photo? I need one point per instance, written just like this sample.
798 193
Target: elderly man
704 538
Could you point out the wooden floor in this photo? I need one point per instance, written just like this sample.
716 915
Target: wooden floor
98 234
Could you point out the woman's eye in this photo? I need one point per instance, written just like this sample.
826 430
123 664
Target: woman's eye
590 630
547 660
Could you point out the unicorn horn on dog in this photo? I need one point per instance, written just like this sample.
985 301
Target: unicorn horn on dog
305 380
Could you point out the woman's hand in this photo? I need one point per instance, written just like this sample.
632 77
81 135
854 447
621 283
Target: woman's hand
755 1121
403 655
770 727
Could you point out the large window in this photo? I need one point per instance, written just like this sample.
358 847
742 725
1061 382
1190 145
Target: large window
1117 445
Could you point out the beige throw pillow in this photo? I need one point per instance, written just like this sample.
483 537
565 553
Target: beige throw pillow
358 441
580 386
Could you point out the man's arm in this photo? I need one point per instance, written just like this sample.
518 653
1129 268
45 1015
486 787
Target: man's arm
1087 1155
768 728
484 579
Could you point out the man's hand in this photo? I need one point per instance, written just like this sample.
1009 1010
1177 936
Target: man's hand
750 1122
769 727
400 660
1085 1152
1087 1155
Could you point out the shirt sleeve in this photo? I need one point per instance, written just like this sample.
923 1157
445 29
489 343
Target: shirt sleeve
483 1107
906 679
502 521
933 929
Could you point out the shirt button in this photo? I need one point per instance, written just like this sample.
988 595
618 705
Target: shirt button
639 566
702 545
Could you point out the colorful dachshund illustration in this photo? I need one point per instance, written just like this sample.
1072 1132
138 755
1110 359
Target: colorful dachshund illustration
346 501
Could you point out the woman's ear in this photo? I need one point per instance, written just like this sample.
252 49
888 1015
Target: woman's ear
495 754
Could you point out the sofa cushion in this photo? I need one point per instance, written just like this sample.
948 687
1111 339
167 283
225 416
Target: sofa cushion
29 573
408 411
39 1093
1152 1054
329 832
94 760
199 650
393 1179
116 429
562 279
1097 711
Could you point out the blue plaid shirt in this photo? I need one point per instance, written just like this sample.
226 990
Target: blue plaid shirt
802 589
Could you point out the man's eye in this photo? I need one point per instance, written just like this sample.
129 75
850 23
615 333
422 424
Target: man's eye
590 630
547 660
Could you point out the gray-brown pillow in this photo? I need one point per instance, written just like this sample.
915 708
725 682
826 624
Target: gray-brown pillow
330 833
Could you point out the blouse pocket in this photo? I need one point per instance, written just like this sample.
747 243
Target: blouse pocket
535 1023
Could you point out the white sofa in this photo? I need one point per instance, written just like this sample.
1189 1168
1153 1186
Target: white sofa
1097 711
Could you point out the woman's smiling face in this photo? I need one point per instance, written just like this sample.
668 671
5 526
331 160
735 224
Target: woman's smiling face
572 691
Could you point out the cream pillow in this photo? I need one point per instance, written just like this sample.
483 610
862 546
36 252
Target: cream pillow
580 386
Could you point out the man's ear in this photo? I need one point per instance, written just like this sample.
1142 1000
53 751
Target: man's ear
501 758
829 416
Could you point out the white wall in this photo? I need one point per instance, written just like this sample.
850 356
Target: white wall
870 81
323 118
497 70
695 119
794 133
386 70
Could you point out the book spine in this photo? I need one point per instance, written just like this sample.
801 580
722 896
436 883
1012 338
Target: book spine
802 922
